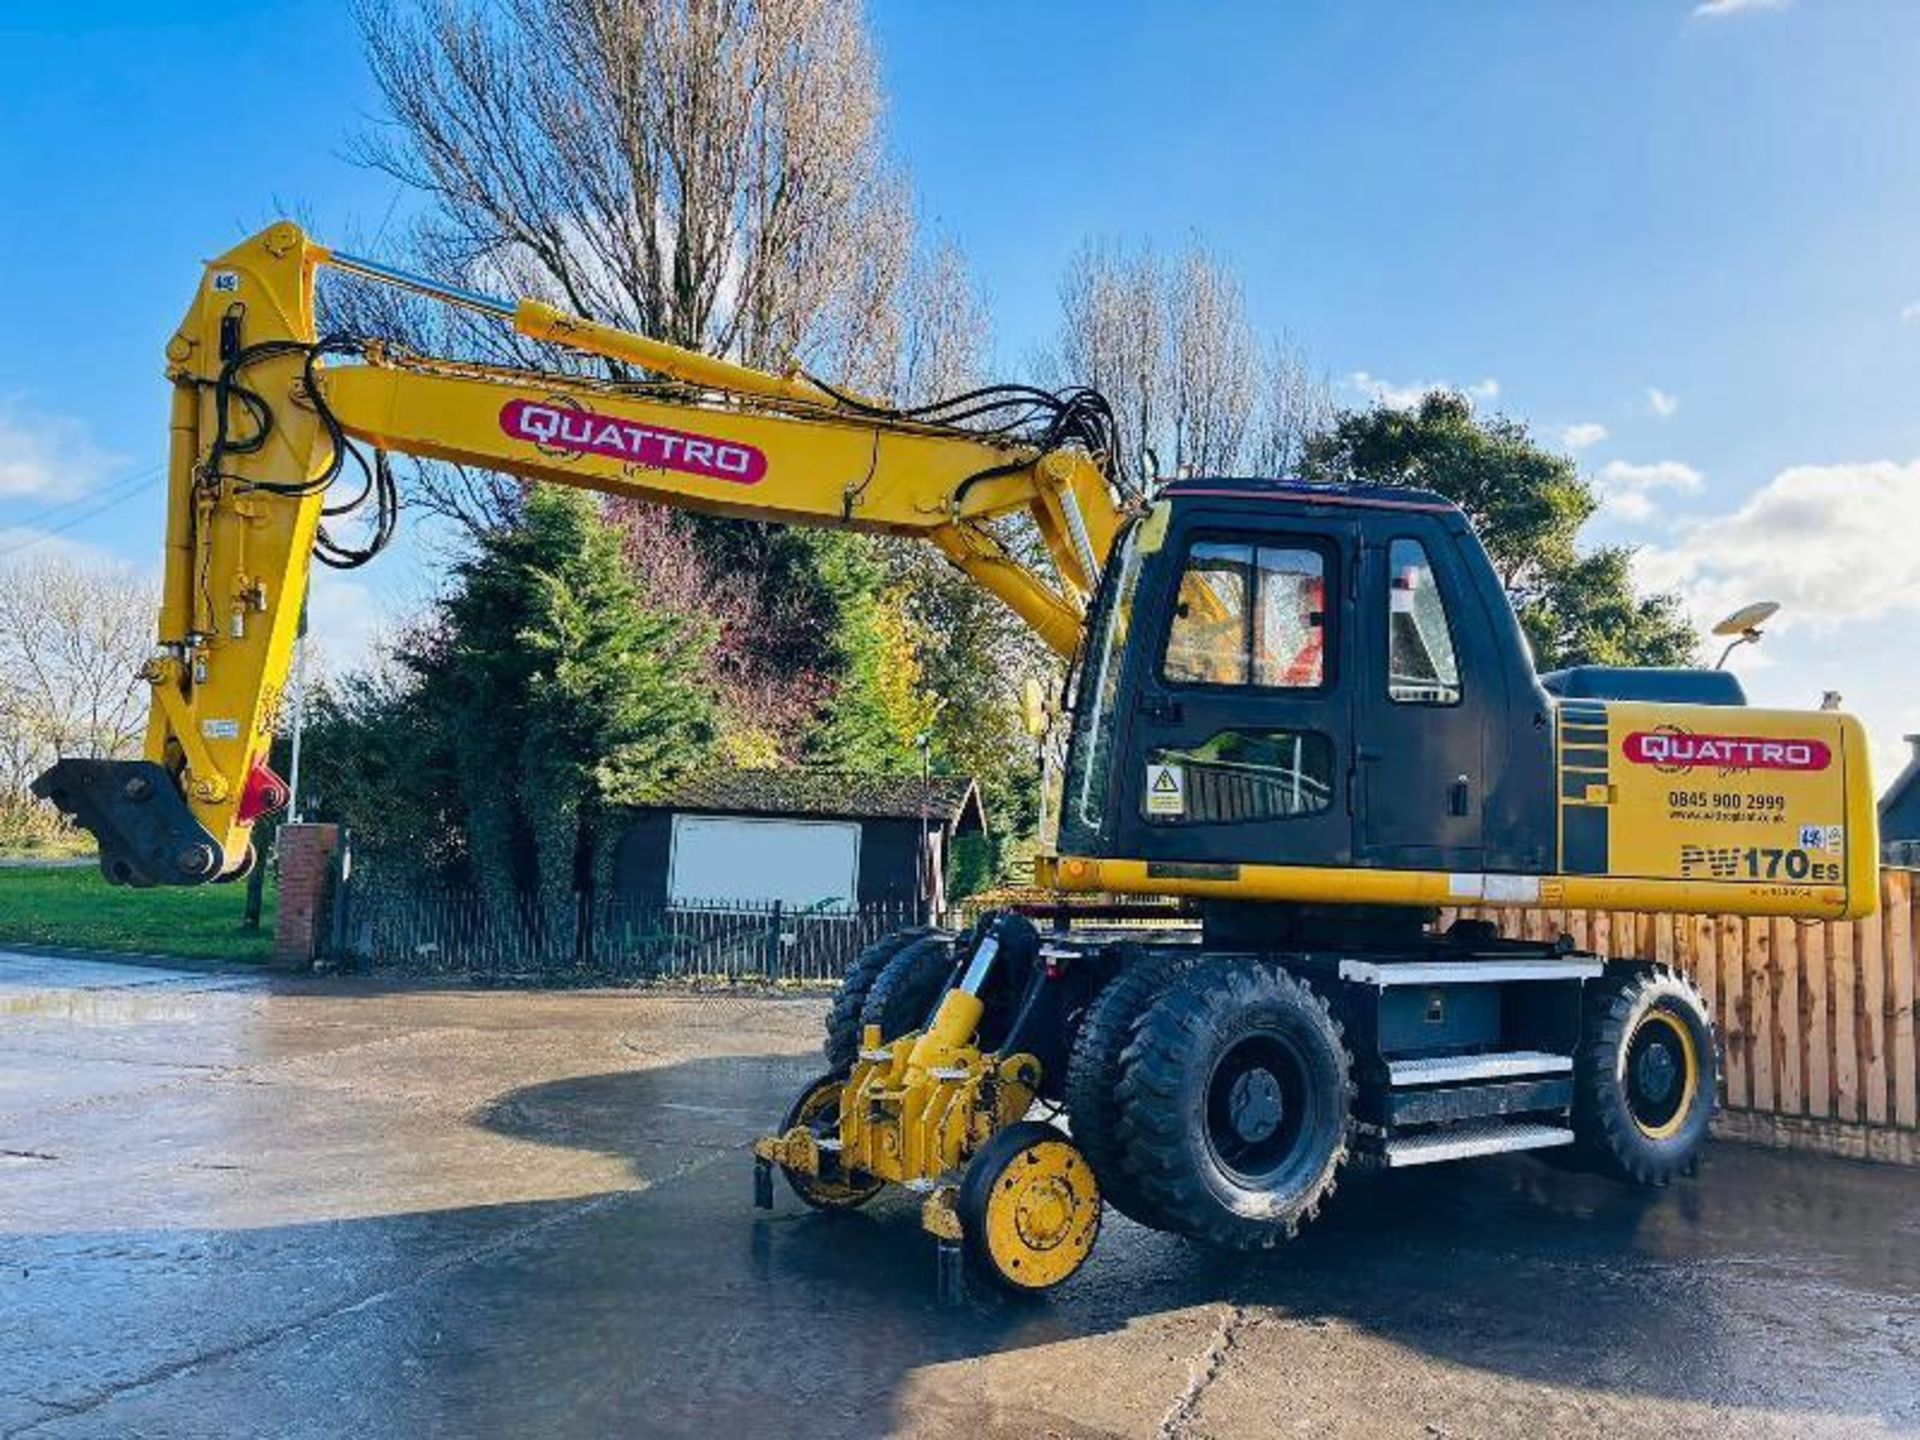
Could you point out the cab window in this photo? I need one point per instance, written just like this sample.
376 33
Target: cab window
1422 668
1239 775
1249 614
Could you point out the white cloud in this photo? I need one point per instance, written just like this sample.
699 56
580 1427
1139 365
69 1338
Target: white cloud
1406 397
1827 541
1910 314
1627 490
1721 9
1660 475
48 457
1582 436
1661 402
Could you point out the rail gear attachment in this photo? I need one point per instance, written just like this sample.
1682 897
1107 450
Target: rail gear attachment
1304 713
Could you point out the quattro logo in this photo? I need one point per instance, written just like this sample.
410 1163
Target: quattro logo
1675 750
562 429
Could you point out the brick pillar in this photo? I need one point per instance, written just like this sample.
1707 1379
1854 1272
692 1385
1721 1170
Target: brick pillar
301 915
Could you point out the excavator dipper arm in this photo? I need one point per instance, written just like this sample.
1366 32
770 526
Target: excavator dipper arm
264 418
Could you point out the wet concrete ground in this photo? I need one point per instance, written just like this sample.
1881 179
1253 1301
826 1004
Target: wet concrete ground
240 1207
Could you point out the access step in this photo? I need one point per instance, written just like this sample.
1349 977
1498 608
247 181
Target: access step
1388 973
1451 1069
1465 1142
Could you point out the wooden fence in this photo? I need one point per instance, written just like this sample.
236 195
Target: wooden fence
1817 1018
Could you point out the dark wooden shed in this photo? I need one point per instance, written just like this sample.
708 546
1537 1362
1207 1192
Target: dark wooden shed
1900 812
810 839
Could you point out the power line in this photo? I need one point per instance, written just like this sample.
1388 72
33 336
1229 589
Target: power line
80 519
54 509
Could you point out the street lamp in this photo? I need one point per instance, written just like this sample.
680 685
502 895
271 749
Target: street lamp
1744 626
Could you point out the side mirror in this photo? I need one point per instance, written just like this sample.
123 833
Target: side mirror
1034 713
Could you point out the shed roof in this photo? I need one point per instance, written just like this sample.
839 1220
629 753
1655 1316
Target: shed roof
953 800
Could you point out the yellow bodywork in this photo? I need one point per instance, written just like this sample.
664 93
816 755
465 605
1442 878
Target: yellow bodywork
712 437
1675 808
1770 808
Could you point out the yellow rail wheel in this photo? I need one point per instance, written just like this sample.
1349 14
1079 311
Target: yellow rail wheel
818 1108
1646 1074
1029 1208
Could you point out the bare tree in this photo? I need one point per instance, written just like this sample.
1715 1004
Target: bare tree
1113 336
945 331
72 639
1175 354
1214 365
710 172
1296 404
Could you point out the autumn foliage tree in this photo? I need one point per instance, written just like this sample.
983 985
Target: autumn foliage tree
714 173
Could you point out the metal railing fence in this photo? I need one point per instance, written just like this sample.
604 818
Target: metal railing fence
598 939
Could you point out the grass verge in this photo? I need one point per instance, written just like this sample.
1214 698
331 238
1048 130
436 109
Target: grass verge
75 907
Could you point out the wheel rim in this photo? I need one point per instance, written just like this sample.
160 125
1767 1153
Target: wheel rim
1661 1071
819 1111
1259 1108
1042 1215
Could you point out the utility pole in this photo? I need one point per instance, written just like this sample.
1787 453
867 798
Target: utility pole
299 706
257 876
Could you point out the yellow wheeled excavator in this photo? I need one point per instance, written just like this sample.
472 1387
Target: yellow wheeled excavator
1303 713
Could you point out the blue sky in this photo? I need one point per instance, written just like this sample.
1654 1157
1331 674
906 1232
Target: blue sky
1680 237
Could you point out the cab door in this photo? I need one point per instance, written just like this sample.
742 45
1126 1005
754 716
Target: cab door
1238 743
1422 703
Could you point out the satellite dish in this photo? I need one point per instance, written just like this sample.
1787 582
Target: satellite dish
1748 618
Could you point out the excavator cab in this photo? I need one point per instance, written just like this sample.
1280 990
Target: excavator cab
1316 695
1296 675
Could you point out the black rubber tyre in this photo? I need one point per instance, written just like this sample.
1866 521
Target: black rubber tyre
818 1108
1646 1075
913 979
1093 1076
843 1020
1029 1208
1233 1101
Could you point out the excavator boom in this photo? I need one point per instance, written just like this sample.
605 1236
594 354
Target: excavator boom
265 417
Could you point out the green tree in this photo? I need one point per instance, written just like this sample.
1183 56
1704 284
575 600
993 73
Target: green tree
543 695
863 727
1528 505
566 696
377 757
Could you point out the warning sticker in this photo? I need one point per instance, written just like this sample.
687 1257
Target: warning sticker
1166 790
